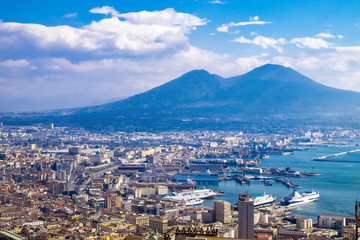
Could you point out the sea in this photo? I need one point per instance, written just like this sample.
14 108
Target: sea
339 183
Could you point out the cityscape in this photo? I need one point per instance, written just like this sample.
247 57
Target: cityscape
179 120
64 183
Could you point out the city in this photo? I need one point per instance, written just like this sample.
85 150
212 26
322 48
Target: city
179 120
63 183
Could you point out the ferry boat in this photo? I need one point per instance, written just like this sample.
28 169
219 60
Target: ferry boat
192 194
196 176
263 199
195 201
259 200
296 198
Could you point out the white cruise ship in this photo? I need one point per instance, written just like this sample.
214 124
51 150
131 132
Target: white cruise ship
192 194
296 198
263 199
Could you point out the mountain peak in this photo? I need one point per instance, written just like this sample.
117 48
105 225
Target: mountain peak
197 72
270 72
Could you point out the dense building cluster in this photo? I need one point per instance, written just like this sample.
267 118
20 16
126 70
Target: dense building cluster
62 183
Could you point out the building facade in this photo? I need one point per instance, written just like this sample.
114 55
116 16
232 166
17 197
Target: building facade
246 216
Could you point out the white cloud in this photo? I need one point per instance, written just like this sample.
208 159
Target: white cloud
325 35
223 28
105 10
329 35
253 21
70 15
14 63
167 17
217 2
314 43
142 33
262 41
246 64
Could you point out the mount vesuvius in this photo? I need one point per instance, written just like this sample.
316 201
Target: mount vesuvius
265 92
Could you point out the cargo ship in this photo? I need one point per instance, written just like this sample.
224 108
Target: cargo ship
296 198
196 176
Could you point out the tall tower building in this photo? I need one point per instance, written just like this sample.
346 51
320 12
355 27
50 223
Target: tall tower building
246 216
222 211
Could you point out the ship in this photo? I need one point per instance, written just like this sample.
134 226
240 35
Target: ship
296 198
259 200
196 176
192 194
195 201
263 199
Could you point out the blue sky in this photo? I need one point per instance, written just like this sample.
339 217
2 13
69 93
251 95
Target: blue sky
61 54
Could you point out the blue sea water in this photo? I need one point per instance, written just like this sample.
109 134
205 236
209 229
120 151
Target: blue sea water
339 183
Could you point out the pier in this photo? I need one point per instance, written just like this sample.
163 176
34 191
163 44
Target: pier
246 180
326 158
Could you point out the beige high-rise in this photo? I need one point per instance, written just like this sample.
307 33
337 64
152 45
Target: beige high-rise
222 211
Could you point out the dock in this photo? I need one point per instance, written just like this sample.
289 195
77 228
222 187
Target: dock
246 180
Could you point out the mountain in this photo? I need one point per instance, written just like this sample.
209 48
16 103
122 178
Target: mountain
266 92
269 89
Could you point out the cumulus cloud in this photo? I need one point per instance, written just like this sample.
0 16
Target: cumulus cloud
167 17
139 34
253 21
105 10
314 43
262 41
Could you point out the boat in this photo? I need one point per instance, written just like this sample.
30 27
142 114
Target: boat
267 183
192 194
259 200
195 201
296 198
263 199
196 176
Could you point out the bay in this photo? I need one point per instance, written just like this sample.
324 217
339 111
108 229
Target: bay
339 183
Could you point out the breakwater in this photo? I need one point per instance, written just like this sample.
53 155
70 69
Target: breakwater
327 157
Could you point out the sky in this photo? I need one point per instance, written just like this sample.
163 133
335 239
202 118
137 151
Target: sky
63 54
